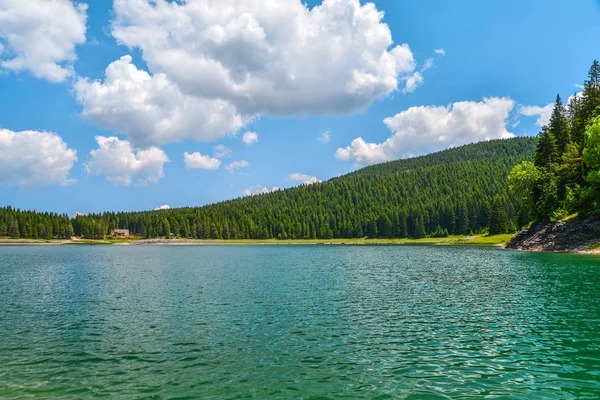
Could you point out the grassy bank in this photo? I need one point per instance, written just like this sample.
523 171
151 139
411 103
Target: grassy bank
478 240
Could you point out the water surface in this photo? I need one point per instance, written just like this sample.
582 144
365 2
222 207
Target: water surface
324 322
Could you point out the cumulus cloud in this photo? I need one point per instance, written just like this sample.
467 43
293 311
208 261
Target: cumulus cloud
303 178
250 138
258 189
441 52
275 57
325 137
431 128
163 207
151 110
544 113
199 161
30 159
234 166
222 152
213 67
40 36
121 163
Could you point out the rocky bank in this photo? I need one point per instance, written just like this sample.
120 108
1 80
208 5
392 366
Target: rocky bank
573 236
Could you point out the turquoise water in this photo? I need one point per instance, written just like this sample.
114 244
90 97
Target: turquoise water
320 322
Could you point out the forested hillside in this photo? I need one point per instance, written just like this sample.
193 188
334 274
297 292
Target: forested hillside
446 192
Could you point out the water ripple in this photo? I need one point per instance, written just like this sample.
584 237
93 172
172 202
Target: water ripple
297 322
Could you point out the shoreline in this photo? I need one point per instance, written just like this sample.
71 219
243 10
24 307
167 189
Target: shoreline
498 241
479 240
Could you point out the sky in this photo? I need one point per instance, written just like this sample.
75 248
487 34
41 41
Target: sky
136 104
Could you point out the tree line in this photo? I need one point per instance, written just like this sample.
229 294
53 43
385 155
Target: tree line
563 177
457 191
15 223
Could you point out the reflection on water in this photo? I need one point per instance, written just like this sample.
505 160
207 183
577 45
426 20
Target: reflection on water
297 321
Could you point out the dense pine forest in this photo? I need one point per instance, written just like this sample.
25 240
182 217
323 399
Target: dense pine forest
563 178
457 191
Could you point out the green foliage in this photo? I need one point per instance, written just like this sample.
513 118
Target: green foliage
559 126
499 220
565 176
546 155
591 158
523 182
18 224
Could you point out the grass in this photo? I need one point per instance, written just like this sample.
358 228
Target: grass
477 240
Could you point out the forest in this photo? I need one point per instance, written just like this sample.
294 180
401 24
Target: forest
563 177
458 191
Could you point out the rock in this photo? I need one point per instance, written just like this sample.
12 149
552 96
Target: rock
573 236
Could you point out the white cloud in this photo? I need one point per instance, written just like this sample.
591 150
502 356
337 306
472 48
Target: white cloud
30 159
250 138
275 57
235 165
305 179
78 214
325 137
413 82
41 35
579 86
151 110
222 152
258 189
199 161
163 207
215 66
427 64
121 163
544 113
431 128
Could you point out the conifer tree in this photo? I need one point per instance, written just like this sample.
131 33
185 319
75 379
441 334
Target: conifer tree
559 126
547 151
499 222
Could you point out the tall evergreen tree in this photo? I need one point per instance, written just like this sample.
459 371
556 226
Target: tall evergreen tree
546 154
559 126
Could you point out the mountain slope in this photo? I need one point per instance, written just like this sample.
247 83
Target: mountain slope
451 189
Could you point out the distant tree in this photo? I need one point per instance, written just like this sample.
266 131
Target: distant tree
419 230
499 222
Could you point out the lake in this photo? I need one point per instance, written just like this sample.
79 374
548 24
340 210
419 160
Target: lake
322 322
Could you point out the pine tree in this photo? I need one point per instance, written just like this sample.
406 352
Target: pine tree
559 126
547 151
419 230
591 157
462 219
499 222
588 105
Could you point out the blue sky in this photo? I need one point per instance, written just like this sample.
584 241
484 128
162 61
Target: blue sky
470 71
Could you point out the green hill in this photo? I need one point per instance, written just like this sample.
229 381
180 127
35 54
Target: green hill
451 191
